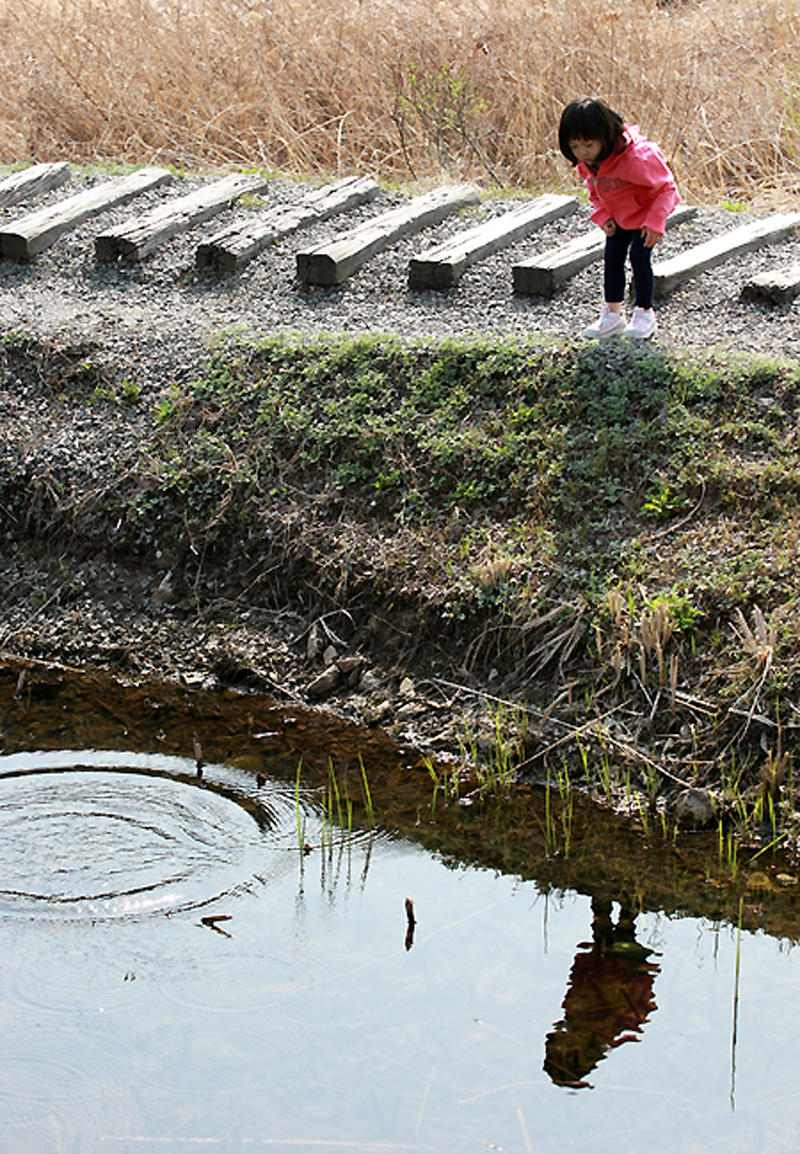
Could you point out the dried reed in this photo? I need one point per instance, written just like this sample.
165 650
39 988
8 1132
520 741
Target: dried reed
463 87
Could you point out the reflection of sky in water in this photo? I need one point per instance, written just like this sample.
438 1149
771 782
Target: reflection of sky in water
312 1027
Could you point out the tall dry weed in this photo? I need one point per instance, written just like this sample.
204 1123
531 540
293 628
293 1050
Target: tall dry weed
469 88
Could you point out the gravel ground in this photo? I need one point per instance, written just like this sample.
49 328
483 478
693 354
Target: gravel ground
156 316
151 322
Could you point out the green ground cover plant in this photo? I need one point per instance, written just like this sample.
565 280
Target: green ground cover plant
605 541
622 522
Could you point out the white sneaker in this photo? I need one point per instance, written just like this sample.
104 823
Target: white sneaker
610 324
643 324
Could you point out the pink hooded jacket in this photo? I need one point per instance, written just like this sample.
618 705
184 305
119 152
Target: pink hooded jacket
633 187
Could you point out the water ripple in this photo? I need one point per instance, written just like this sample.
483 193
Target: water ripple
104 835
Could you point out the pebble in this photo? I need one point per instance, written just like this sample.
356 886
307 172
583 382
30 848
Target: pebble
693 808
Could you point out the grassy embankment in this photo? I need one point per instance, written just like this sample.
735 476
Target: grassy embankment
413 90
607 539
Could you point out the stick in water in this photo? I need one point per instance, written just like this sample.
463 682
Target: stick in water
412 921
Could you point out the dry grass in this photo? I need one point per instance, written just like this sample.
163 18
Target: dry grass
419 89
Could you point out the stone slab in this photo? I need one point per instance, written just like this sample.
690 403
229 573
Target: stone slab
442 266
23 238
335 260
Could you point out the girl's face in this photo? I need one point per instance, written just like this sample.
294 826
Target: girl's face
586 151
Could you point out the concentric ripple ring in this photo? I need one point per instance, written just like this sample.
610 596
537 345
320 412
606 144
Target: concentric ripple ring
91 841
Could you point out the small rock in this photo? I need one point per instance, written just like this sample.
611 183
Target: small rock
381 712
693 808
330 655
325 683
370 681
407 688
409 710
164 592
313 645
348 665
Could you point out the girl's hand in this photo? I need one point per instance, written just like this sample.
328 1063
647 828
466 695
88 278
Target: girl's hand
609 228
651 237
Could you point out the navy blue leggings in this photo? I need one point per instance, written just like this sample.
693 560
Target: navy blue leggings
614 273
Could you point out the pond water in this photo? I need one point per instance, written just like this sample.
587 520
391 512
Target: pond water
212 962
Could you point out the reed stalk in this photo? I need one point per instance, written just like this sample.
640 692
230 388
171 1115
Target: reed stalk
367 794
412 91
298 810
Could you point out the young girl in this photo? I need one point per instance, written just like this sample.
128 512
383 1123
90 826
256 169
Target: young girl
633 192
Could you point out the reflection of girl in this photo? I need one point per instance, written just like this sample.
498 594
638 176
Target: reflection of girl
633 192
609 998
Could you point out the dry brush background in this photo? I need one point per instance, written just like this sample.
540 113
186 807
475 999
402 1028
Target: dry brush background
411 91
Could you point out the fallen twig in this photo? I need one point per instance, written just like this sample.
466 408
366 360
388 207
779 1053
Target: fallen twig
523 708
411 922
620 746
210 922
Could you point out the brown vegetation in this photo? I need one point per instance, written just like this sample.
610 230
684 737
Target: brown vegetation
420 89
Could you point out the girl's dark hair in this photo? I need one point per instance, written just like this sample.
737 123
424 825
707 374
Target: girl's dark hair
590 120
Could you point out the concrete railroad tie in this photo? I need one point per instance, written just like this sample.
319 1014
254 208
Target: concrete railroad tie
670 273
335 260
234 246
28 235
541 275
442 266
136 238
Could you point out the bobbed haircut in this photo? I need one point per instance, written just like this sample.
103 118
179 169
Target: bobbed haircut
590 120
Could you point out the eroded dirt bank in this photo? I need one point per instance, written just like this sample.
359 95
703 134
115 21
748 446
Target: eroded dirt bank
177 606
348 525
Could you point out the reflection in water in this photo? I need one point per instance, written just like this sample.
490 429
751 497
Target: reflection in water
411 922
609 997
306 1020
